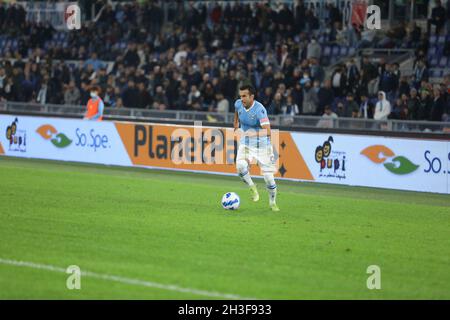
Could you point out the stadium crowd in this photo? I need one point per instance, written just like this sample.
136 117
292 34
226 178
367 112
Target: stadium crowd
199 59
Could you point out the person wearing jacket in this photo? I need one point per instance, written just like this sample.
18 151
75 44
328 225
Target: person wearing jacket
382 108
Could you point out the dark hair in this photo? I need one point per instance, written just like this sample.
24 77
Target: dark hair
95 88
248 87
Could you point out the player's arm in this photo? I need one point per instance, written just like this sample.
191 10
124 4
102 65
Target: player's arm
266 128
236 121
264 122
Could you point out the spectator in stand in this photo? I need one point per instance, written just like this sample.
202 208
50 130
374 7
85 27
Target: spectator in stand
369 75
399 111
310 99
338 82
160 99
130 95
194 101
382 108
289 110
277 103
95 106
438 106
314 50
425 105
223 106
388 82
325 96
144 100
438 18
351 107
413 105
94 61
72 94
327 118
366 108
352 75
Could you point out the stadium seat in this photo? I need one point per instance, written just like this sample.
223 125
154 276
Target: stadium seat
327 51
351 51
443 62
436 73
434 61
432 51
344 51
441 40
335 51
433 40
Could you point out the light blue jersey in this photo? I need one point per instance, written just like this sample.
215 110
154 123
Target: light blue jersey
253 118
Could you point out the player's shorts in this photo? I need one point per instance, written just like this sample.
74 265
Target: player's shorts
264 157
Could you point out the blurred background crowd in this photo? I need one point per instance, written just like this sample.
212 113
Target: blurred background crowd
197 58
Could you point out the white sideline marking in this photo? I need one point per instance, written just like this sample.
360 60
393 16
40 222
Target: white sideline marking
137 282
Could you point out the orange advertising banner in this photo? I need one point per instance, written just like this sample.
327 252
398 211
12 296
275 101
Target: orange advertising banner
207 149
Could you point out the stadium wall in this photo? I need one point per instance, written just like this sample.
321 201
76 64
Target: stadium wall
371 161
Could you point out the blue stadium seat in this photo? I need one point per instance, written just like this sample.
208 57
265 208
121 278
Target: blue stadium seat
433 40
351 51
434 61
344 51
436 73
327 51
432 51
443 62
441 39
335 50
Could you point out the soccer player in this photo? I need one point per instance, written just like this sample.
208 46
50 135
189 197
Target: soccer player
255 143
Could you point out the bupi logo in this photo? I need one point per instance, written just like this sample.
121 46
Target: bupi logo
48 132
398 165
17 138
323 157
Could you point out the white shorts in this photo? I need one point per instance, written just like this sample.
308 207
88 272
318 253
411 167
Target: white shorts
264 157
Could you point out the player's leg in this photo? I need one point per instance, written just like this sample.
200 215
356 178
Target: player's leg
266 161
243 168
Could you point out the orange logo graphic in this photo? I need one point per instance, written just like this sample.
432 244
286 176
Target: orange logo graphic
374 153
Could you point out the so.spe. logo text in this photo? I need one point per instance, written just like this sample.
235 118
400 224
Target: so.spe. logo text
91 139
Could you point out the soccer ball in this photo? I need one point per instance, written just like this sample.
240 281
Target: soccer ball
230 201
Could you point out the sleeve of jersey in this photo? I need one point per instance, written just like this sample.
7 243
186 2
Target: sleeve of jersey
236 105
262 117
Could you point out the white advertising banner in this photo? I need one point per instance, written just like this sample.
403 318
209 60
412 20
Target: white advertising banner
383 162
62 139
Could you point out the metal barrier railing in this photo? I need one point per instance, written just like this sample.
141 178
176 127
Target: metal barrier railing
211 117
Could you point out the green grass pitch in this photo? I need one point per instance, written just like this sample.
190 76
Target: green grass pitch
169 228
